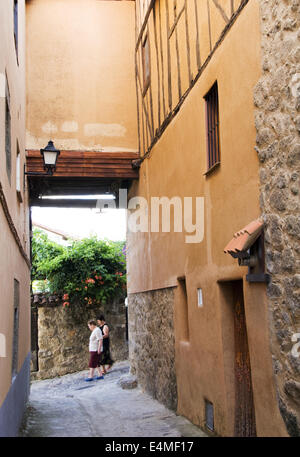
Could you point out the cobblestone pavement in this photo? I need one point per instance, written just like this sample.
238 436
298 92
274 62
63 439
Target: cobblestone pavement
70 407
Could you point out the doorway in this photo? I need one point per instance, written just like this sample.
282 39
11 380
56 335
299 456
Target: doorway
239 368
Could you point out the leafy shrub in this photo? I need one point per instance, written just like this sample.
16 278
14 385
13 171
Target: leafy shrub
92 271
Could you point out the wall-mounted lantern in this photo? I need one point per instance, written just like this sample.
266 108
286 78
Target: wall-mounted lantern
50 155
247 246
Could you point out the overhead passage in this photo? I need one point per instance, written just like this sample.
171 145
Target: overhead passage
81 173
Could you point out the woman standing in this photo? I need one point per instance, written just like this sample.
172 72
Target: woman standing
95 348
105 358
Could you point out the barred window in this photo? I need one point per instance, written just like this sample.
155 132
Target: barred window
212 127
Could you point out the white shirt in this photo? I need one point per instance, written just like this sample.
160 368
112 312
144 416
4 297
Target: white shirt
95 337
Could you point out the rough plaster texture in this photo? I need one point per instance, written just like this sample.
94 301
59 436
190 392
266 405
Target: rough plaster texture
152 344
63 335
277 119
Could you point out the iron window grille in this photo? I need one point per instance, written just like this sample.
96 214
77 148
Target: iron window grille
212 127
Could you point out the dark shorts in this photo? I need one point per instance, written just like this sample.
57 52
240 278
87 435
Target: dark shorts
105 358
94 359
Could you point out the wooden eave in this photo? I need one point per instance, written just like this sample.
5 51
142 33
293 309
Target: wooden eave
80 173
87 164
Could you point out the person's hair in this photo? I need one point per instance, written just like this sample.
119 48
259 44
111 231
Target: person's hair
101 317
92 322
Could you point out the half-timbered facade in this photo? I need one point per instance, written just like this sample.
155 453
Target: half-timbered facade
198 317
183 35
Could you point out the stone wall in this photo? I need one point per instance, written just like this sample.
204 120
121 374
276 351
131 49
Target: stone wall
63 335
152 343
277 100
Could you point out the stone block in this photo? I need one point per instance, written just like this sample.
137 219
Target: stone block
152 343
127 382
292 388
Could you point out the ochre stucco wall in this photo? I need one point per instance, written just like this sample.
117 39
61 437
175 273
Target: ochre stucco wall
13 265
80 75
176 167
178 163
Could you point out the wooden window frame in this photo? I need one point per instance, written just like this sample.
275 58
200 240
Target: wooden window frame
212 128
146 64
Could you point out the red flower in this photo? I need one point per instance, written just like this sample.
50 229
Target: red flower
90 281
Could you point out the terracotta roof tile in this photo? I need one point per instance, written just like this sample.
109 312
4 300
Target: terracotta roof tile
250 228
244 238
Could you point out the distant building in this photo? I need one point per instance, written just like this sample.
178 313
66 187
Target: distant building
56 235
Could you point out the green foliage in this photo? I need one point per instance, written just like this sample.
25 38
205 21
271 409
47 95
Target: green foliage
43 251
90 270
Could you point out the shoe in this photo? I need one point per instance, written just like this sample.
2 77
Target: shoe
100 377
89 379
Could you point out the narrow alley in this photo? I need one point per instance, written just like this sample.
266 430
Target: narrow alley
69 407
149 219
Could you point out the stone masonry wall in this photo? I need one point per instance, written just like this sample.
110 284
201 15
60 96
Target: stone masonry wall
63 335
152 343
277 101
